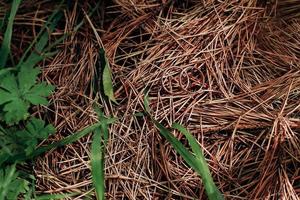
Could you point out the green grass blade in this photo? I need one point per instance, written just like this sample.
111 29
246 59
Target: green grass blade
146 101
202 166
5 48
178 146
48 23
97 164
187 156
107 78
197 161
68 140
55 196
43 37
3 21
99 143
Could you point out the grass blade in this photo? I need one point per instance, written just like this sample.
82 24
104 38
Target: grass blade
3 20
100 140
49 21
202 166
178 146
55 196
43 37
107 78
197 161
5 48
68 140
97 163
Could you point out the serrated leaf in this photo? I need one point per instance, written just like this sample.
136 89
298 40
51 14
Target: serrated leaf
5 71
11 186
36 99
34 131
15 111
9 82
18 91
5 97
27 78
38 93
21 156
36 127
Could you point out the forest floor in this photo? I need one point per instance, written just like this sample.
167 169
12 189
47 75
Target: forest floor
228 71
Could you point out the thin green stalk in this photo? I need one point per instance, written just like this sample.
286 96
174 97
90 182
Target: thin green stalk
5 47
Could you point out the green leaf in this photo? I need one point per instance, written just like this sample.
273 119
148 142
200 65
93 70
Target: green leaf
5 48
11 186
34 131
15 111
146 101
68 140
179 147
4 71
97 163
36 127
139 114
3 21
40 41
107 79
100 140
17 92
202 166
38 93
8 146
27 78
197 161
55 196
20 157
9 82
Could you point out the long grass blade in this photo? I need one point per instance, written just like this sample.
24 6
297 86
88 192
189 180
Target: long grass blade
197 161
97 164
5 47
38 55
99 143
55 196
202 166
47 24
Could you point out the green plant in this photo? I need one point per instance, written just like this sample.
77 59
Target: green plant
194 159
11 185
15 140
99 143
20 133
18 91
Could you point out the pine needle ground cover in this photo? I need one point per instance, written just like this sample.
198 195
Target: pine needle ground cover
227 71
